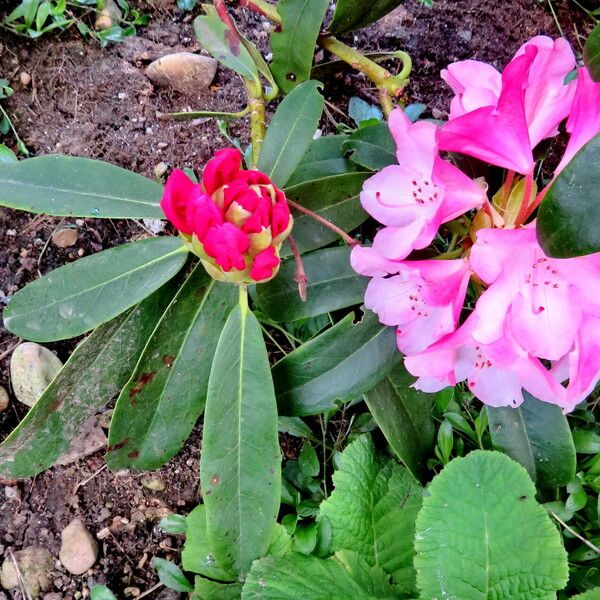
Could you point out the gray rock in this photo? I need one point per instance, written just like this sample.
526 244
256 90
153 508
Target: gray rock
66 236
110 15
4 399
35 565
184 71
32 368
78 548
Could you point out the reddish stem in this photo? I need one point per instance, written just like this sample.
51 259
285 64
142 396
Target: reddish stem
510 176
255 8
537 201
301 278
523 209
350 241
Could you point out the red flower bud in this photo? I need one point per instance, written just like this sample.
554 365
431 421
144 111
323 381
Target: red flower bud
235 220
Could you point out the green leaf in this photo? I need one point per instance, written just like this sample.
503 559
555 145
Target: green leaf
586 441
94 373
166 393
291 131
205 589
308 460
373 509
537 435
372 147
295 576
405 417
101 592
224 45
7 155
360 111
332 284
354 14
482 535
293 44
175 524
294 426
71 186
568 222
589 595
334 198
591 53
240 471
337 366
171 575
81 295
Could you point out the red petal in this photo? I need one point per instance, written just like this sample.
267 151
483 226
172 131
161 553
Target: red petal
220 169
202 214
180 190
264 264
227 244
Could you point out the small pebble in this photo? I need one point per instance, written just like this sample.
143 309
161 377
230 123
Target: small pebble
160 169
63 237
4 400
25 78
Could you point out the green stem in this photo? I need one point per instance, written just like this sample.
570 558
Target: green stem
256 103
243 298
20 145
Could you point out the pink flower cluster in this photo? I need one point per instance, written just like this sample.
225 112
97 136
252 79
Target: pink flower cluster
535 324
235 219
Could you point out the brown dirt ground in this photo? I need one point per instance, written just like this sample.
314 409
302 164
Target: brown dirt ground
98 103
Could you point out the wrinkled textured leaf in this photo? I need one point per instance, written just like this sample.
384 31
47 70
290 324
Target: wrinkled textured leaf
79 296
240 471
95 372
224 45
537 435
332 284
568 222
353 14
372 147
591 53
72 186
405 417
373 509
482 535
339 365
205 589
166 393
291 131
293 44
589 595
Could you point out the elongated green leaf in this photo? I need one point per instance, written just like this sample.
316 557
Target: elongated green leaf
294 576
294 43
165 395
481 534
591 53
568 222
537 435
291 131
339 365
334 198
240 470
82 295
171 575
353 14
95 372
224 45
72 186
373 509
372 147
332 284
404 415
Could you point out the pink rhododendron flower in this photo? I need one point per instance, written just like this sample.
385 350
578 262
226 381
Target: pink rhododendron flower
423 299
584 121
516 109
416 196
496 373
235 220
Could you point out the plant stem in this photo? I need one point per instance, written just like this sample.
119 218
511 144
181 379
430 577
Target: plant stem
510 176
537 201
520 220
300 277
243 298
263 8
257 122
349 240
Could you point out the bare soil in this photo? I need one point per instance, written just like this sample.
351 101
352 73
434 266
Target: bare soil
87 101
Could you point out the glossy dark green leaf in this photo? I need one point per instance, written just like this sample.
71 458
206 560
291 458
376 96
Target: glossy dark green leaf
224 45
293 43
240 471
75 298
537 435
337 366
95 372
354 14
294 426
591 53
334 198
405 417
332 284
73 186
568 222
291 131
372 147
165 395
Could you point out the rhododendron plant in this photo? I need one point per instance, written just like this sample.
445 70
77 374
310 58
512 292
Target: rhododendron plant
534 321
235 220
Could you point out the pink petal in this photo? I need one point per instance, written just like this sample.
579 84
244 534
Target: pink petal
180 190
281 216
264 264
227 244
367 261
415 142
202 214
396 243
220 169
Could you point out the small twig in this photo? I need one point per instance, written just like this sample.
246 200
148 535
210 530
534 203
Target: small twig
19 575
82 483
9 350
349 240
572 531
152 589
301 278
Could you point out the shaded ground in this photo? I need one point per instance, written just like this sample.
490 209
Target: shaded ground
98 103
